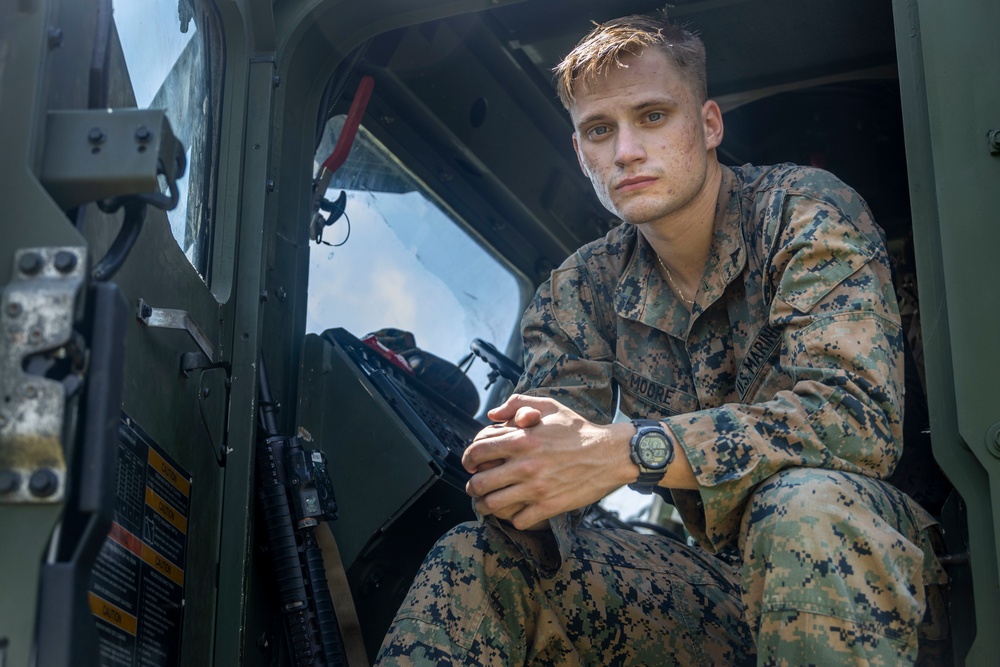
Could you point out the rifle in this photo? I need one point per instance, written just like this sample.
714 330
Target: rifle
295 493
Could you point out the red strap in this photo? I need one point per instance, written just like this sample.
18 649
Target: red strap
346 138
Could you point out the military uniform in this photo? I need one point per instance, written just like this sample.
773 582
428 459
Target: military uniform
783 385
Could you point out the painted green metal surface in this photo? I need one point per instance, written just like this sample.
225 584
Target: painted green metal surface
948 73
30 219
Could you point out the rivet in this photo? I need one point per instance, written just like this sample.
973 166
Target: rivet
30 391
270 185
993 136
10 480
14 309
65 261
43 483
30 263
55 37
993 440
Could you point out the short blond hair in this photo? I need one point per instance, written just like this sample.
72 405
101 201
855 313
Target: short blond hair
609 43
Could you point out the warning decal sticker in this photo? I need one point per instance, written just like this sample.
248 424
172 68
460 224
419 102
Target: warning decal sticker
137 586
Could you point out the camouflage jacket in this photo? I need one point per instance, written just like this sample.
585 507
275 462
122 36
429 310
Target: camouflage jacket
790 357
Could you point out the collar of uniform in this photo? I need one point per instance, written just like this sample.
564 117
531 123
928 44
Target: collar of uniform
727 256
644 296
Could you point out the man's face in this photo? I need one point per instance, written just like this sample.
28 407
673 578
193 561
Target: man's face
643 138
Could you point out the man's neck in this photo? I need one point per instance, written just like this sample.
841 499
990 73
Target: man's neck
683 240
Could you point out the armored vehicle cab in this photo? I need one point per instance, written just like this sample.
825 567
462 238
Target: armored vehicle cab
209 205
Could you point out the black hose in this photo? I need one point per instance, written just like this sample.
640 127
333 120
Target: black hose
135 215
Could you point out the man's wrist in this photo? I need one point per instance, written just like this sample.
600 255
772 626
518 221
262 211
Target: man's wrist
651 449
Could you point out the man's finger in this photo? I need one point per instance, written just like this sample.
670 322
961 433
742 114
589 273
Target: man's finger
488 446
507 410
526 417
503 502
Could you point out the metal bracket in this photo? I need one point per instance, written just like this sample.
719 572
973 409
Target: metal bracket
37 312
96 154
169 318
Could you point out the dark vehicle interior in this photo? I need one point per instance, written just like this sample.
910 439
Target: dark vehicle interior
467 105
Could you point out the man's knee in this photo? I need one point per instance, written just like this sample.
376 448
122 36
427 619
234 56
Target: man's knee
802 495
836 545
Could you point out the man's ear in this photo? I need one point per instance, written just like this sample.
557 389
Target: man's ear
711 116
579 158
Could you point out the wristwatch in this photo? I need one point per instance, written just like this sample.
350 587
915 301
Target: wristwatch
652 449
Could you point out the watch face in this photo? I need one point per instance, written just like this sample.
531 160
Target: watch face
653 450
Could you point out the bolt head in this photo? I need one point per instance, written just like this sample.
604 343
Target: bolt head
14 309
96 135
30 263
142 133
55 37
43 483
10 480
993 136
65 261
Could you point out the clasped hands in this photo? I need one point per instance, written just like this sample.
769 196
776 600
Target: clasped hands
542 459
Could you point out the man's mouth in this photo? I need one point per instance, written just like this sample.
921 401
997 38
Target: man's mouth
634 183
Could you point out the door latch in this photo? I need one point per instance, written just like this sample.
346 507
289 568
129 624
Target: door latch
170 318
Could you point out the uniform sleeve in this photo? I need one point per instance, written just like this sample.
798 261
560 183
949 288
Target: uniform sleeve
832 395
566 356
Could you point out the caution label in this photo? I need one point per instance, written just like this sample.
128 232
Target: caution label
137 585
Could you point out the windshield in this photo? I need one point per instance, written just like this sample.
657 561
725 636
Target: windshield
400 258
173 56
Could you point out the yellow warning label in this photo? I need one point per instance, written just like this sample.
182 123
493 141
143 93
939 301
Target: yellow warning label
169 472
112 614
162 565
164 509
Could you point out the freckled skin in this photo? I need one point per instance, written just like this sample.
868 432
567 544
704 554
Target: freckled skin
644 121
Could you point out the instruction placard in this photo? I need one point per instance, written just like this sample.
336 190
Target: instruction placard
137 585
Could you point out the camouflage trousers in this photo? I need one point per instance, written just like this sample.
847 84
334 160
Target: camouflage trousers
837 569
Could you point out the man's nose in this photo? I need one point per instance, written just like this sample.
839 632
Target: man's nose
628 147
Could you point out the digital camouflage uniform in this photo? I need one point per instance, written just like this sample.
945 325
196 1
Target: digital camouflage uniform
783 386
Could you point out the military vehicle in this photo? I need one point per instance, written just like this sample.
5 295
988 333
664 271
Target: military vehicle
210 204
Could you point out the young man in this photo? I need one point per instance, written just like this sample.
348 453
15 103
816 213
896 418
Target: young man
745 320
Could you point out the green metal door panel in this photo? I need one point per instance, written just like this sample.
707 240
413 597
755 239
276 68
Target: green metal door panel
182 413
45 51
29 219
949 62
236 554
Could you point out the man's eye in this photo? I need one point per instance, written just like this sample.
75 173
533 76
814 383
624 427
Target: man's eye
598 131
654 116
